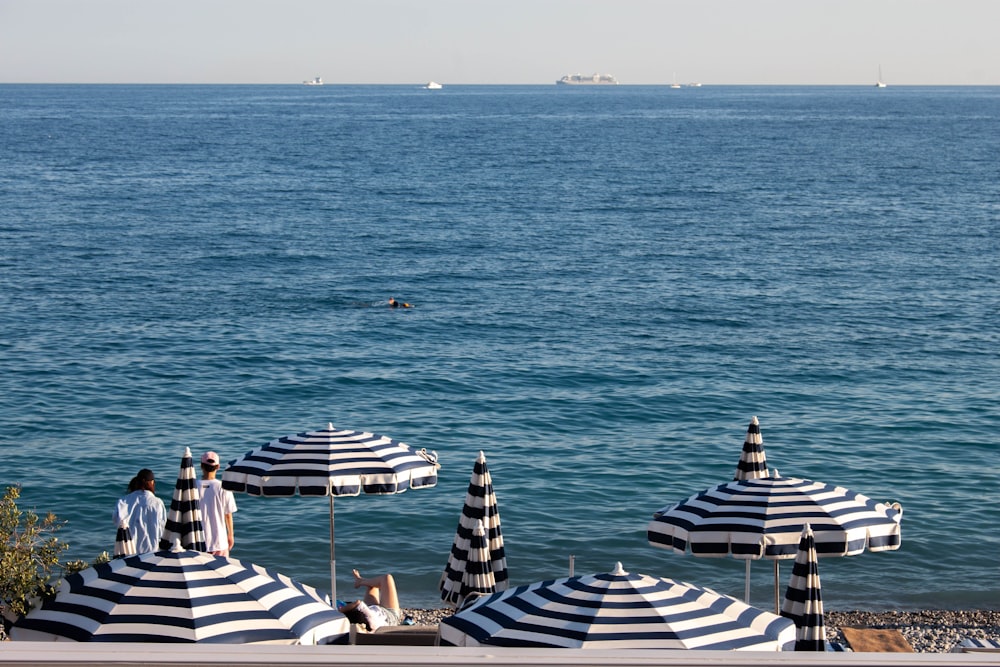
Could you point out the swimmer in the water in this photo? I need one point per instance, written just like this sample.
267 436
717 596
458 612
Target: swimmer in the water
396 304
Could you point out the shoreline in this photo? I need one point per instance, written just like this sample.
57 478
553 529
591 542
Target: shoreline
928 631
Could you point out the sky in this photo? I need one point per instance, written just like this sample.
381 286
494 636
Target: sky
762 42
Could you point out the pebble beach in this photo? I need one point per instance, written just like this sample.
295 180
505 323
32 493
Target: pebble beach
927 631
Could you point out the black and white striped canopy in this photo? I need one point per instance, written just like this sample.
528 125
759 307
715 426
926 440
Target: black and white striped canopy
478 578
753 460
124 541
480 506
183 596
804 599
616 610
184 524
334 462
763 518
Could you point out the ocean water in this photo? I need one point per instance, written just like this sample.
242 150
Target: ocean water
607 285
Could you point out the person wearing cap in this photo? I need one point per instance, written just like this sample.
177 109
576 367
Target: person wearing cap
217 508
143 513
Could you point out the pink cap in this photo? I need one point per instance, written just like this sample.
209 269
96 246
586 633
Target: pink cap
211 458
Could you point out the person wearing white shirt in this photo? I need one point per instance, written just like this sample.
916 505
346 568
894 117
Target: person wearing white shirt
217 508
142 512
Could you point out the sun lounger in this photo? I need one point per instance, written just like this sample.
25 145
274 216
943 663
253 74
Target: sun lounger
396 635
977 645
879 640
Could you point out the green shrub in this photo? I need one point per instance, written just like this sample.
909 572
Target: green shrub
29 556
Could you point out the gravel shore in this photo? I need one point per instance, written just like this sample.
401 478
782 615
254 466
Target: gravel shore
927 631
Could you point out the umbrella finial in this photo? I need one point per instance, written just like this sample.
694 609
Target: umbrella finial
482 457
187 452
329 426
619 571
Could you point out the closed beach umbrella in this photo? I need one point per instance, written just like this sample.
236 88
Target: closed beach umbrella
753 461
752 465
480 505
478 577
183 596
331 462
184 518
124 541
616 610
763 517
803 599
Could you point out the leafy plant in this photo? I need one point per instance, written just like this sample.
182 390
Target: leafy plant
29 556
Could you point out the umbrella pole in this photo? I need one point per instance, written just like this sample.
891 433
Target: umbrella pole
333 559
746 583
777 601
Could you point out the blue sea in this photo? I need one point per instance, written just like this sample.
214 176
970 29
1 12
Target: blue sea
607 285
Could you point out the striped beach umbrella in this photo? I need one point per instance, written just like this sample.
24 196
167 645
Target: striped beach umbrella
763 518
753 461
182 597
331 462
124 541
184 525
616 610
478 577
480 505
803 599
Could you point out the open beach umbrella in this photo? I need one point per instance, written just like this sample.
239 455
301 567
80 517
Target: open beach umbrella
804 599
184 518
763 517
124 541
615 610
183 596
480 505
331 462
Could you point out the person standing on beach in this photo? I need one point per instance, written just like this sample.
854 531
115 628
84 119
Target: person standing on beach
217 508
143 512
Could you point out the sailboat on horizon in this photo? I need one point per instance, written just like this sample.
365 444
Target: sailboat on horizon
879 83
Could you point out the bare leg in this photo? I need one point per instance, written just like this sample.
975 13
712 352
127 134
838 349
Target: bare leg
381 590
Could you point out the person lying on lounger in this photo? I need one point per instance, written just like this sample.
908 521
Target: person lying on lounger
380 605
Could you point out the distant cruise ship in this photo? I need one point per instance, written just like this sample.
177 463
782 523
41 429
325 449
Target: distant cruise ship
592 80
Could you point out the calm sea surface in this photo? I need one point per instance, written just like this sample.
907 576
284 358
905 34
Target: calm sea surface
608 284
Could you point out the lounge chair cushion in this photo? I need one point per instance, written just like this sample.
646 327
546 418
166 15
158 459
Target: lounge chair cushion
879 640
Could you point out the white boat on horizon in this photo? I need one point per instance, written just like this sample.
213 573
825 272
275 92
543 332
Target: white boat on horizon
318 81
433 85
592 80
879 83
